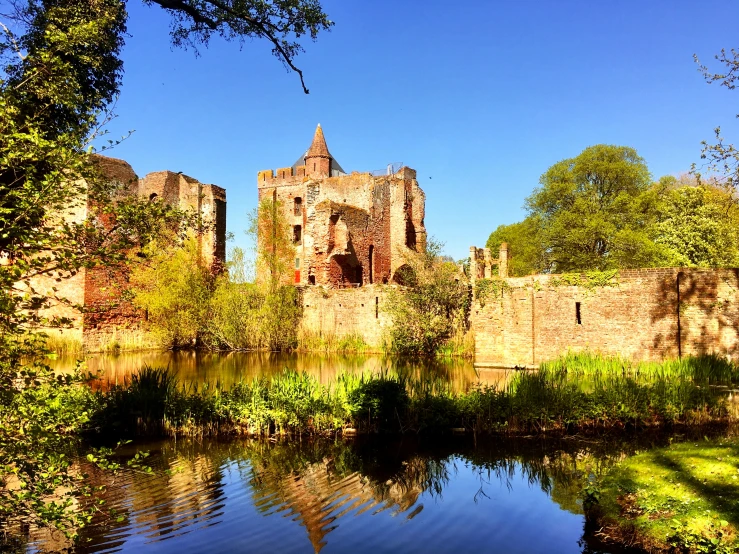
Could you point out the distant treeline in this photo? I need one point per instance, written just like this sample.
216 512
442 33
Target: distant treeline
602 210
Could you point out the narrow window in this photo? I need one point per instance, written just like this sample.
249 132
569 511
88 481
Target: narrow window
377 307
297 233
314 166
577 313
371 265
312 279
298 204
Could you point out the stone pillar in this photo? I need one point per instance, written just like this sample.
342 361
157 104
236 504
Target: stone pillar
488 260
473 266
503 260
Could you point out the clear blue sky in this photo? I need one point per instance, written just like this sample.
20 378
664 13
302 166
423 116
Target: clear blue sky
479 97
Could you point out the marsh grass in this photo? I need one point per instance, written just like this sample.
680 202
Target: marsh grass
63 344
708 368
310 341
294 403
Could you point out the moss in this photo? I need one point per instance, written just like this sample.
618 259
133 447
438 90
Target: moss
684 497
589 280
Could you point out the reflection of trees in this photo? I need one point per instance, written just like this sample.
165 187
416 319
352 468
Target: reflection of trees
321 483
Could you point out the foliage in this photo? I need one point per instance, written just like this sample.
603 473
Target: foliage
580 392
490 288
524 246
589 280
270 228
595 211
721 158
682 497
173 285
277 21
697 225
431 307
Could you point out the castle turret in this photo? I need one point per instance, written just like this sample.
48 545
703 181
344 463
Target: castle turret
318 158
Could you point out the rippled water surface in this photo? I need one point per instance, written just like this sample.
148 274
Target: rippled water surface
256 496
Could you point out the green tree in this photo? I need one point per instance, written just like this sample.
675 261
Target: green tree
596 211
174 286
722 158
524 246
697 224
271 231
431 307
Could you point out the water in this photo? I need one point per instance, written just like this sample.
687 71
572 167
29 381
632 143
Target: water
342 496
362 495
231 367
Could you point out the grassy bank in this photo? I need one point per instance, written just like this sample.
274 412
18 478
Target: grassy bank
682 498
549 400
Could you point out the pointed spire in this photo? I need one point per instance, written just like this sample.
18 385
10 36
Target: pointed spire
318 148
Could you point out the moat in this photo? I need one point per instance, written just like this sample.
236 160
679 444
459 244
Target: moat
513 496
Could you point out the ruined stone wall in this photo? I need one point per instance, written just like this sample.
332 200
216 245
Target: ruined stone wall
649 314
340 312
354 228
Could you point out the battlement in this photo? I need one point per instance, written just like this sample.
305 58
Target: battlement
291 175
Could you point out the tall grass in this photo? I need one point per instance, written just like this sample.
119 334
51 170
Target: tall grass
310 341
64 344
296 403
709 368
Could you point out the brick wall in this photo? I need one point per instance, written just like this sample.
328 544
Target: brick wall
649 314
340 312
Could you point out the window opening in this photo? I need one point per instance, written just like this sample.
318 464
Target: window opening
377 307
298 203
312 279
371 264
578 319
297 233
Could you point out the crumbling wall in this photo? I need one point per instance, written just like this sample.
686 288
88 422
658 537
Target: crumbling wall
341 312
645 314
381 215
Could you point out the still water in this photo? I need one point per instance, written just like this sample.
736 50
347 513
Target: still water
354 496
359 496
231 367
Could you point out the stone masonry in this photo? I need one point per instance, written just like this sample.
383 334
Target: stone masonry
644 314
349 230
91 299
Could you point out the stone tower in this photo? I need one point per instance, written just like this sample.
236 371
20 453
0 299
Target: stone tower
348 229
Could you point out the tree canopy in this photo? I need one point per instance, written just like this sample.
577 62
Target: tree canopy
600 210
595 210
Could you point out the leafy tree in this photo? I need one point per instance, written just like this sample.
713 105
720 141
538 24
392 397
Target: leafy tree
595 211
275 248
697 224
524 246
721 157
60 72
174 286
432 306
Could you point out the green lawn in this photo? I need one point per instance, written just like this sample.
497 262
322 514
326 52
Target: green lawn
684 496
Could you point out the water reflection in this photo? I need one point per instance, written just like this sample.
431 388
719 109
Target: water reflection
365 496
231 367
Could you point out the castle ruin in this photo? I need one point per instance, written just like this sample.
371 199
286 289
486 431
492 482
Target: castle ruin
349 229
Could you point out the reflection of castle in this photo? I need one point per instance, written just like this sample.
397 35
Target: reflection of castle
319 496
348 229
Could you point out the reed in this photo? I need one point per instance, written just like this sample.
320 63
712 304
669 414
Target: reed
64 344
292 403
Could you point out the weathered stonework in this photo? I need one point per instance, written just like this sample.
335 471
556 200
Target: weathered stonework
349 229
91 299
645 314
341 312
